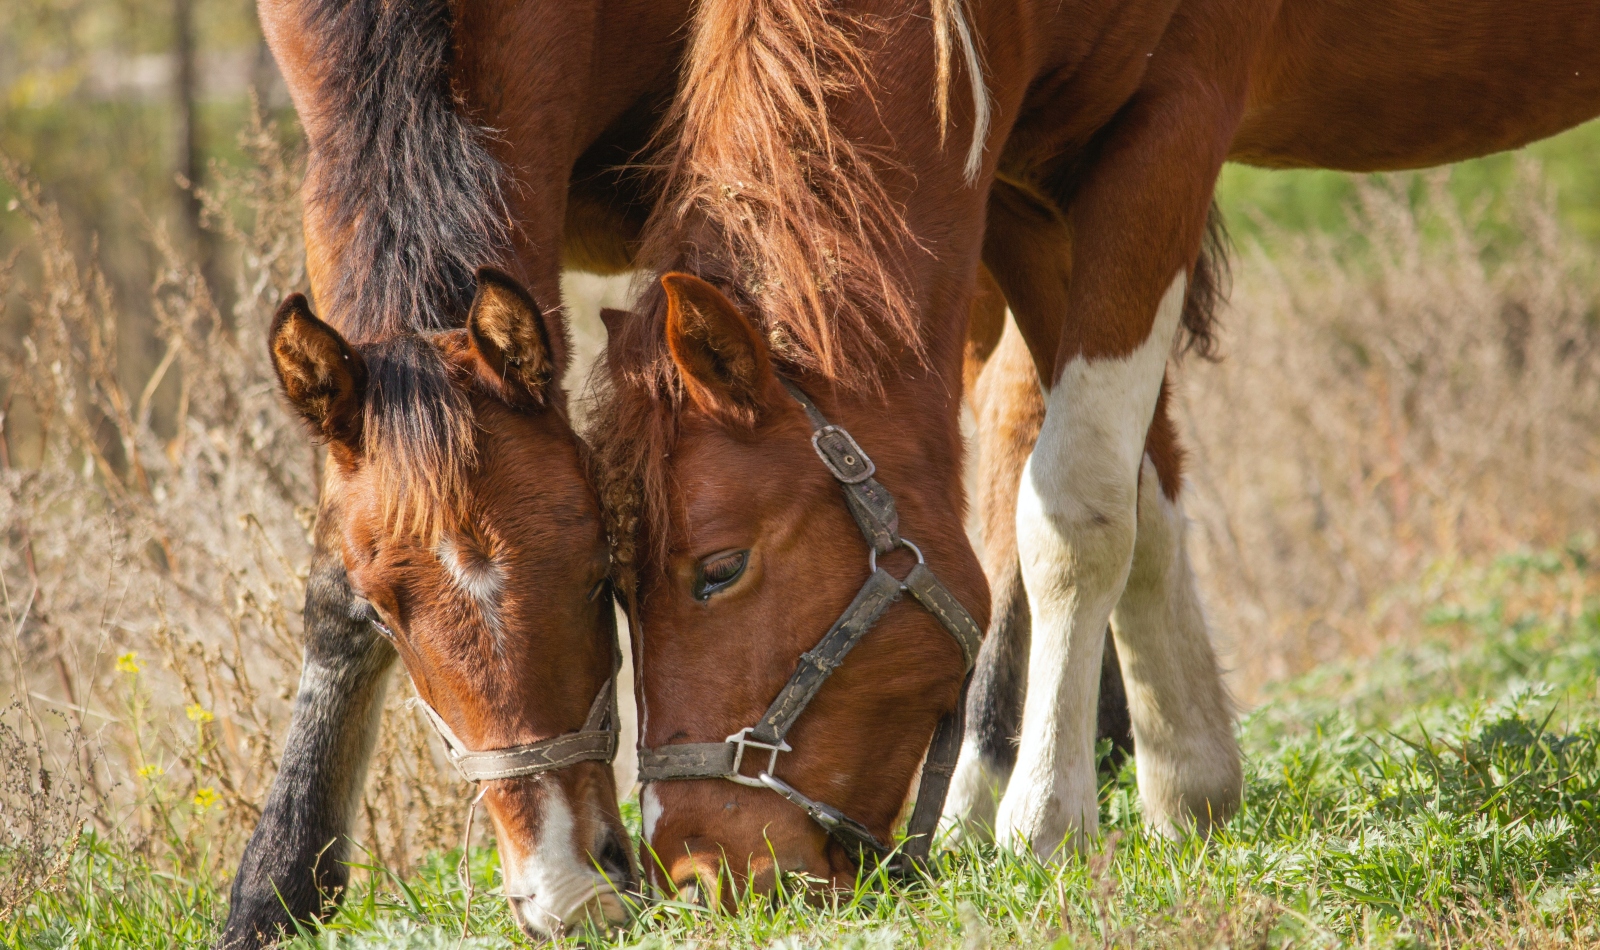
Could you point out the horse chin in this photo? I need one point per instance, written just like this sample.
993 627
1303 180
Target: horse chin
593 903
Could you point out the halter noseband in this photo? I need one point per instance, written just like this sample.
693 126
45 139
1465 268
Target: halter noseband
875 514
595 741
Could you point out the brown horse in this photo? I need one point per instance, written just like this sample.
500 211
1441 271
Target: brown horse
836 228
815 183
1086 226
458 524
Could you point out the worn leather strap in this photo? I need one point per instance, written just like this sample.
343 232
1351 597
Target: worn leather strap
938 767
937 599
816 665
869 502
687 760
595 742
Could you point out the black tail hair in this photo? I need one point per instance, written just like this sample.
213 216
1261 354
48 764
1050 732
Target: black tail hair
406 179
1208 291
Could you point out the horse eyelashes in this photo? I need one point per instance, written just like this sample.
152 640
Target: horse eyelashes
719 571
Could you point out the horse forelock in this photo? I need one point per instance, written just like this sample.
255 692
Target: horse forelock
417 435
763 195
631 432
408 184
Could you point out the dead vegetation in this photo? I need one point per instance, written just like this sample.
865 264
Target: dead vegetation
156 542
1397 403
1391 410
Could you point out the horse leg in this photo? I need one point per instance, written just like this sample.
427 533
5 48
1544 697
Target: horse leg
294 867
1121 263
1005 400
1188 763
1004 390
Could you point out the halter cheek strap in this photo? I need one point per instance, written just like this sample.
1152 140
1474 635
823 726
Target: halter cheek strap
595 742
873 508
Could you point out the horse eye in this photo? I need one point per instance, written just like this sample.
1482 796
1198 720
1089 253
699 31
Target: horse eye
718 571
362 609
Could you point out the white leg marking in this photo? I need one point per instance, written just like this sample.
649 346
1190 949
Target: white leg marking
1189 772
555 885
975 791
1076 518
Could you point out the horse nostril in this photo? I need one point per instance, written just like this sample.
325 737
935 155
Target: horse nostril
612 858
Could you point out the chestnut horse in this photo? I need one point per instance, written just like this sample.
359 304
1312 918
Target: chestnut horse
1355 87
458 524
820 187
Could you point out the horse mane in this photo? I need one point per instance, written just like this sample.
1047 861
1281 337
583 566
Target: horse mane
760 192
762 195
408 185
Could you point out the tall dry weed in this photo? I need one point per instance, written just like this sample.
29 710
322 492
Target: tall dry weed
156 542
1418 394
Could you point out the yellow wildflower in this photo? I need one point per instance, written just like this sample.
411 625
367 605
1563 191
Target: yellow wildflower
151 771
128 663
198 713
205 798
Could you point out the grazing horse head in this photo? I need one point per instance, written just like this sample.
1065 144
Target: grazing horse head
745 567
473 541
783 451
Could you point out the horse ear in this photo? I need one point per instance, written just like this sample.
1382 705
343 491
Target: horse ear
321 376
722 359
508 335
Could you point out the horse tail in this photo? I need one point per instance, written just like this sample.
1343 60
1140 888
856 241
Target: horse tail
402 175
1208 291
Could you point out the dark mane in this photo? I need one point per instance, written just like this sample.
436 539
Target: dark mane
417 433
407 182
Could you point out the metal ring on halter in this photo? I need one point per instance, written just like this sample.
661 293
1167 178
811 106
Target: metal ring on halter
872 554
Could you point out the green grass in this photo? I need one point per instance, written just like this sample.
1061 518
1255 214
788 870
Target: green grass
1258 202
1442 794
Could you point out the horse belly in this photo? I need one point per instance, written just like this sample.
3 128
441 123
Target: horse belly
1364 86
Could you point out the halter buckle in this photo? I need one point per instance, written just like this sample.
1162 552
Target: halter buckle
740 741
842 454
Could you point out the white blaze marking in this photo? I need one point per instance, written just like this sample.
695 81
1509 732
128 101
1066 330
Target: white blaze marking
555 885
650 808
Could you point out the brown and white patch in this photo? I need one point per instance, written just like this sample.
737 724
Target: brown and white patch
471 565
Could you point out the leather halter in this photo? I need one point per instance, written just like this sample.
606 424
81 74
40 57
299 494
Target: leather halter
875 514
595 741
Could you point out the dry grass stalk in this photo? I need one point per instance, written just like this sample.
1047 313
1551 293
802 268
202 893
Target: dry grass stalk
1394 404
156 538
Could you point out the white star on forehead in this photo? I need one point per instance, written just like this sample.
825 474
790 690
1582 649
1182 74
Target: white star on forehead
477 574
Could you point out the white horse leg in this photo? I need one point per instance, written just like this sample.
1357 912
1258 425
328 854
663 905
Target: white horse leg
1188 760
1076 523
